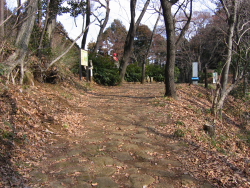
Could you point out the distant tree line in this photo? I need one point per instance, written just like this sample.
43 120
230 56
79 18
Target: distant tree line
34 44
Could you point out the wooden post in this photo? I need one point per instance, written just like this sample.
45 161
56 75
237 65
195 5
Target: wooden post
80 71
90 70
206 81
143 72
87 73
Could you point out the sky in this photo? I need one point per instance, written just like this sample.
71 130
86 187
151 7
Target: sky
119 9
73 26
116 11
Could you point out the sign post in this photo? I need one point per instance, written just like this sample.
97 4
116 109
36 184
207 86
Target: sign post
215 77
195 77
91 70
84 62
84 57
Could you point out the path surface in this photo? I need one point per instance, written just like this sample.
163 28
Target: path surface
116 145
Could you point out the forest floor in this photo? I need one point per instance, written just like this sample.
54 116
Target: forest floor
130 136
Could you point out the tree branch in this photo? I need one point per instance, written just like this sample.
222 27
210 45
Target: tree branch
142 13
64 53
12 14
185 28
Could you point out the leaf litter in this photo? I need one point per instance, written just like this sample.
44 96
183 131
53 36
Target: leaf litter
34 118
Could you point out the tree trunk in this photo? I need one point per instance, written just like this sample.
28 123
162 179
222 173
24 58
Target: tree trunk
84 38
44 30
22 40
245 85
170 89
18 15
50 29
221 90
40 13
143 74
225 72
1 19
129 42
172 42
206 81
221 101
51 22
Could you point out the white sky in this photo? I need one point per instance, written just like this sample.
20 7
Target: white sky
119 9
74 30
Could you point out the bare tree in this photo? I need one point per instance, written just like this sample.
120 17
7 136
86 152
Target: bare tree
128 47
1 18
18 14
172 42
88 13
15 12
44 29
231 14
53 9
231 9
242 43
22 41
103 23
237 43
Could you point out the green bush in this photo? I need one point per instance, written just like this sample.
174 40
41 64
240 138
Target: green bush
155 71
133 73
105 71
238 92
107 77
176 74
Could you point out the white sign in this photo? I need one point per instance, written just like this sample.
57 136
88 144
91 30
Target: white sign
84 57
195 71
215 77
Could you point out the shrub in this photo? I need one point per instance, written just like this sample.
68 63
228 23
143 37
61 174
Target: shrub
107 77
176 74
133 73
238 92
155 71
105 71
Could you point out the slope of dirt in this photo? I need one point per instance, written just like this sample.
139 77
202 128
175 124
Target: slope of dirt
123 136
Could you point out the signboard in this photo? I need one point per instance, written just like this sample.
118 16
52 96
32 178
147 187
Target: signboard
84 57
195 76
215 77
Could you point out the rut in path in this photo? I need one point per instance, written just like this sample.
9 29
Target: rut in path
117 144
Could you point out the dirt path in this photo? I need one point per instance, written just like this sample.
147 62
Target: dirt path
115 145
